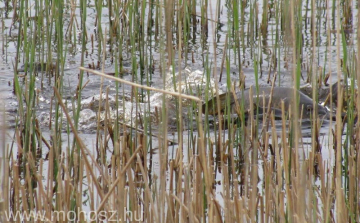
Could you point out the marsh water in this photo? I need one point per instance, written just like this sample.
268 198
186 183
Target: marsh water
202 59
201 55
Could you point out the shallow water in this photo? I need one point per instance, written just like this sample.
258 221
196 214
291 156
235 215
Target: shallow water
205 55
201 51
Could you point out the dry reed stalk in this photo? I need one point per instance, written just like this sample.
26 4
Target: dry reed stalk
113 186
30 188
198 189
233 186
23 194
16 185
120 194
226 189
325 190
253 160
239 209
147 190
176 94
203 160
113 199
50 176
79 141
286 194
107 130
5 187
184 207
339 203
269 184
358 96
90 188
314 135
170 214
169 20
120 159
295 105
79 188
279 185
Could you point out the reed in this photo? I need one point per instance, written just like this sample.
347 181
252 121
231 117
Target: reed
224 162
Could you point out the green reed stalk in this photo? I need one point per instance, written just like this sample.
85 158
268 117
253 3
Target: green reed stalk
133 31
207 97
30 143
277 49
3 49
150 68
111 26
118 68
74 152
251 29
142 48
228 110
236 33
39 34
350 144
58 8
49 23
142 44
17 88
186 27
99 5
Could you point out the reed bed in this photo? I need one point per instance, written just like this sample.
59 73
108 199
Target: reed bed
212 168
